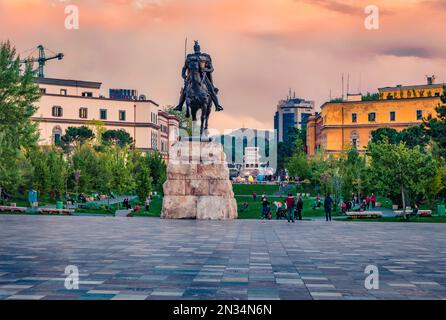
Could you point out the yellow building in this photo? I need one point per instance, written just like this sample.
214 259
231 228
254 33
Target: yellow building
341 125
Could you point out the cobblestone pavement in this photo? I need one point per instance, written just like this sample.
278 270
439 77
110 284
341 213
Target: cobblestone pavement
145 258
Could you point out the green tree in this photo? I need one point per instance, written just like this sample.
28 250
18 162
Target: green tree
49 172
295 139
389 135
104 175
121 167
98 128
185 123
40 177
396 169
319 167
141 175
117 137
84 160
435 127
298 165
370 97
158 170
76 136
58 171
414 136
18 133
354 173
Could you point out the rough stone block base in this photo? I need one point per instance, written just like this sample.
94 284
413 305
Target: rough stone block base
198 185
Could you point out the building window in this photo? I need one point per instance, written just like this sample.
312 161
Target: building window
57 111
437 94
354 117
154 141
121 115
42 90
354 139
372 117
83 113
392 116
63 92
87 94
103 114
154 118
419 114
57 135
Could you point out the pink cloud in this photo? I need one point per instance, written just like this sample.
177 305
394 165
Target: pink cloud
260 47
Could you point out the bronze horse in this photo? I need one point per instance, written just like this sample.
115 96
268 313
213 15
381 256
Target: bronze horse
198 96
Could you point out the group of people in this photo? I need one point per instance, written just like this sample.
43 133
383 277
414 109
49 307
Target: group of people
292 207
290 210
127 205
359 204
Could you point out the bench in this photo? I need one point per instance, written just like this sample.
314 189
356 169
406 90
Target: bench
12 209
399 213
364 214
420 213
425 213
66 212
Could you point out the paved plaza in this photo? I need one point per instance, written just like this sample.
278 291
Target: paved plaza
148 258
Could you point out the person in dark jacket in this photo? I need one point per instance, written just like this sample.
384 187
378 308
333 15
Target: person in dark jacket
328 205
299 208
290 203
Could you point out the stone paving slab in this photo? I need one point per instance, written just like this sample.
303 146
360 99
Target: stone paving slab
148 258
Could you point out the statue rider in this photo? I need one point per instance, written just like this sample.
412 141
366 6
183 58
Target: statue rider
206 72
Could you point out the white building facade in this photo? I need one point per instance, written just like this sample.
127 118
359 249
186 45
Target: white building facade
71 103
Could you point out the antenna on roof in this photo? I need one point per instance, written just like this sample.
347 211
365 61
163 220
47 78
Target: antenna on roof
430 80
342 86
348 84
360 83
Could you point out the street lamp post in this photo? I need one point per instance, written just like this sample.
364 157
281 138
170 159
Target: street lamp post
77 175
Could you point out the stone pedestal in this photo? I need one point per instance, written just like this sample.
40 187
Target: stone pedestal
198 185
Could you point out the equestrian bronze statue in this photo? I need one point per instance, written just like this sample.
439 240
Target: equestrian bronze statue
199 91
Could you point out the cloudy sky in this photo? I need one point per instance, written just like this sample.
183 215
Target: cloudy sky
260 48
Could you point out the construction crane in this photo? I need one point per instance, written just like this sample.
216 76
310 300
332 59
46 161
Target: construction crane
42 59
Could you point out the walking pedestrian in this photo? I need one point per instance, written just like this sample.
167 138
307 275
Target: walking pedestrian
290 203
328 204
373 200
299 208
265 208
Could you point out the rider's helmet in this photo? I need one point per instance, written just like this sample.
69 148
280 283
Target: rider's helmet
197 48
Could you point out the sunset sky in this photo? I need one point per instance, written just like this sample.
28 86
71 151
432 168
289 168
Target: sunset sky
260 48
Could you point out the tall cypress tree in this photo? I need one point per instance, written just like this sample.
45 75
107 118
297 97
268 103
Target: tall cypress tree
18 93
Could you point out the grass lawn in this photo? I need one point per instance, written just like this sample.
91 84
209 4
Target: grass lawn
22 201
253 212
248 189
154 209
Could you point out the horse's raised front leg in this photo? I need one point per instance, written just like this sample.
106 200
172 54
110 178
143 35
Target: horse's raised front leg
203 123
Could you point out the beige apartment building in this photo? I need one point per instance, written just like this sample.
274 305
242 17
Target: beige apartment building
67 103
